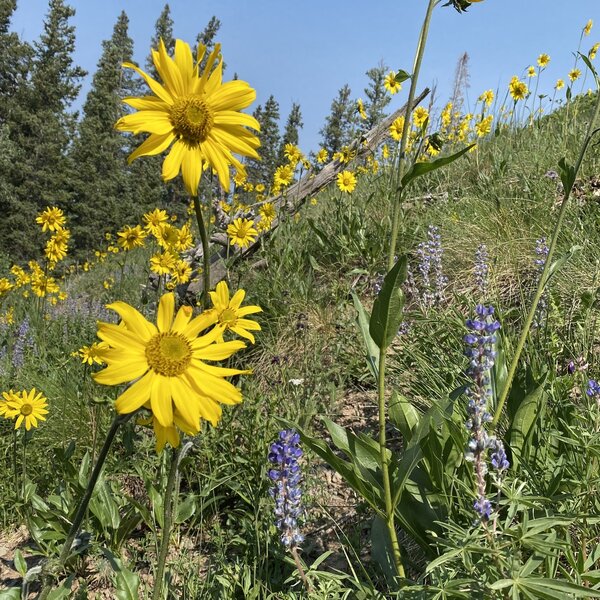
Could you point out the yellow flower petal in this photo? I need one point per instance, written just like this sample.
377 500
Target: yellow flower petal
135 396
166 306
160 400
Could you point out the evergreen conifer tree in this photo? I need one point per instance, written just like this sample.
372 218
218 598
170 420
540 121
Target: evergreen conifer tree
377 96
163 30
109 193
262 171
340 123
291 132
41 124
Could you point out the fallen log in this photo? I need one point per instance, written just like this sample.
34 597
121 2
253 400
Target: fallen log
294 197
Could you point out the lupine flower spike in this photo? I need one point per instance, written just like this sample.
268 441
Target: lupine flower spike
286 475
480 349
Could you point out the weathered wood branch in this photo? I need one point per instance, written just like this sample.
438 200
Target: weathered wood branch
296 195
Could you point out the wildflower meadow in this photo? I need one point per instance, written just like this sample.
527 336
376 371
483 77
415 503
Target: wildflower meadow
235 368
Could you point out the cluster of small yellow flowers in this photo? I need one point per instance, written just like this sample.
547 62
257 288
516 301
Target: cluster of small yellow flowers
346 181
518 89
593 51
588 27
484 126
345 155
446 115
53 220
391 84
8 317
92 354
27 408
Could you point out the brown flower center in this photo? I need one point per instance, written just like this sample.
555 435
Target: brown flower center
192 119
169 354
26 409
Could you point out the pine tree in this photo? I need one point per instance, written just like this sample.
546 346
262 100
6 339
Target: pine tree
41 124
207 38
340 123
163 30
109 193
377 96
262 171
290 133
15 61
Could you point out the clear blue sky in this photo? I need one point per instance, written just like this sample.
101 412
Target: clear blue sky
305 51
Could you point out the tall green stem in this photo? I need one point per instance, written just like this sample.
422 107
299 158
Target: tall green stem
171 495
385 469
405 130
81 510
546 272
205 251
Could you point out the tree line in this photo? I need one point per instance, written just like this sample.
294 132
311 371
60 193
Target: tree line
52 154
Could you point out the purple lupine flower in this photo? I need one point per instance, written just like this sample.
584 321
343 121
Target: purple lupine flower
23 341
480 349
481 269
430 265
593 391
541 251
498 458
287 477
436 251
424 270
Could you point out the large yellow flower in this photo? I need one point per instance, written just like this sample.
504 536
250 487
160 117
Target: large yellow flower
196 112
165 363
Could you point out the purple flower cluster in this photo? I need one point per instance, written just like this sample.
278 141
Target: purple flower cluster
481 269
430 255
541 251
23 341
285 474
480 350
593 390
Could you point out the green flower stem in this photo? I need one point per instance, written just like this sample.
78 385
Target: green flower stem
545 273
405 130
385 469
171 496
81 510
205 252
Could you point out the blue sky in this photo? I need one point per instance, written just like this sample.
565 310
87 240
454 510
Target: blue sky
305 51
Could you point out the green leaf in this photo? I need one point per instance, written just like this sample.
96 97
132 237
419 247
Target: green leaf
372 351
186 509
551 586
313 263
20 564
387 309
402 75
567 174
64 591
127 582
403 415
421 168
521 428
381 549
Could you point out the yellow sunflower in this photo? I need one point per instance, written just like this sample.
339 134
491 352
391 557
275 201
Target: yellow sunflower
26 407
196 112
242 232
165 363
230 313
346 181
